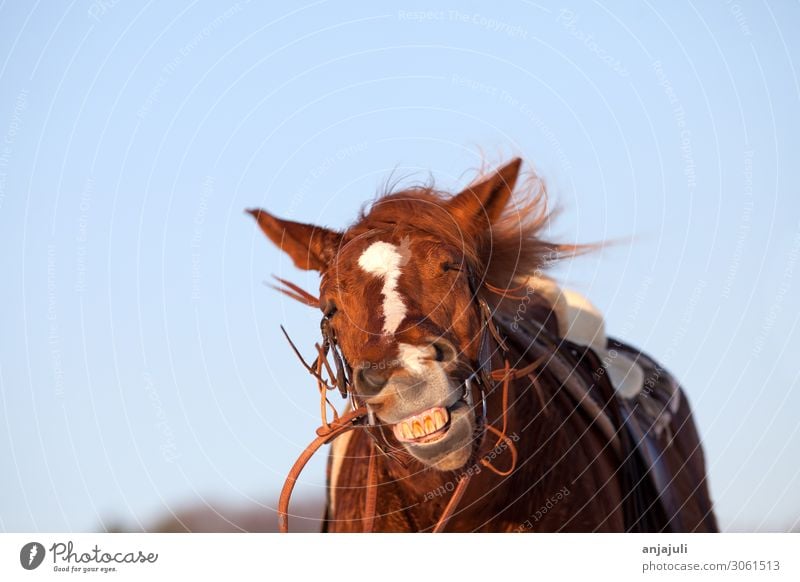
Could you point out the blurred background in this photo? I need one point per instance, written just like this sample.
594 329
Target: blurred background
144 383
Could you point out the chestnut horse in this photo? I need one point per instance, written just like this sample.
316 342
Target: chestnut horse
482 396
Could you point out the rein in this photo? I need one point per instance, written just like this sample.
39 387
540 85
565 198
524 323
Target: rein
360 417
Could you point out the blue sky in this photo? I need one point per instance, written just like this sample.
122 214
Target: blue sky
141 366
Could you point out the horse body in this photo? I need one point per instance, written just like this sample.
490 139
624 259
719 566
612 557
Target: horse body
485 409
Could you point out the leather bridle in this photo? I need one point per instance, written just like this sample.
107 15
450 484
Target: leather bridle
481 382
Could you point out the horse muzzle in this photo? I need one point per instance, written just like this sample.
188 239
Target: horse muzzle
432 420
446 448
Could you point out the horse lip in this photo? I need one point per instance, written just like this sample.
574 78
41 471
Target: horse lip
436 435
458 440
448 407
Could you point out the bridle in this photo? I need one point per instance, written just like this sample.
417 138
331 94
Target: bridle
482 381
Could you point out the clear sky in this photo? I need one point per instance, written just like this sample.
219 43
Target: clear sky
141 365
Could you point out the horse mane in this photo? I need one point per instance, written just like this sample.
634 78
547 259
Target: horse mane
513 247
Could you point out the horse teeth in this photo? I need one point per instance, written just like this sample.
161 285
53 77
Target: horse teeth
438 418
422 425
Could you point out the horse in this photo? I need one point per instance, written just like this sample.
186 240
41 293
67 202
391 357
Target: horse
482 396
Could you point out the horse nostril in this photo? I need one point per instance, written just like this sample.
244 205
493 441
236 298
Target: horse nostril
443 351
371 380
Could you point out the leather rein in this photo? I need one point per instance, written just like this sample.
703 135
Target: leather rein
359 417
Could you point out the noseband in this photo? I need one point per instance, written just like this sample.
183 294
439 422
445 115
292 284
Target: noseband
481 381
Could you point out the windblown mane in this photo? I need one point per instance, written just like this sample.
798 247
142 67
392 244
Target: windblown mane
510 248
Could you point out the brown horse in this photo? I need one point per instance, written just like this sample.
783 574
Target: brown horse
483 397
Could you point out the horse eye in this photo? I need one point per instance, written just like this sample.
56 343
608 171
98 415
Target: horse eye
439 353
448 266
329 310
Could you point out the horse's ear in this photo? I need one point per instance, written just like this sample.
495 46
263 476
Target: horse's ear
310 247
484 202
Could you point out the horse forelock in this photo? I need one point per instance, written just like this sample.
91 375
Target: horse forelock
513 246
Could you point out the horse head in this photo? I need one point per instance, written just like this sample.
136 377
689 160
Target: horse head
398 290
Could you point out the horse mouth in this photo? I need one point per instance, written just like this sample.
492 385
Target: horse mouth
438 427
439 437
428 426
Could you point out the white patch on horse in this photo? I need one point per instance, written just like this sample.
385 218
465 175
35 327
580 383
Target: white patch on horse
338 455
413 357
386 260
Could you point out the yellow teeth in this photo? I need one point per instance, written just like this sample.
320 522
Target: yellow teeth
422 425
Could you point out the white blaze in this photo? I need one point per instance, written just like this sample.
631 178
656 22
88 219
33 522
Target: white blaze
385 260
